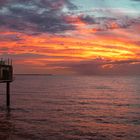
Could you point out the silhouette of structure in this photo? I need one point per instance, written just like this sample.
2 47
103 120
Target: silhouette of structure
6 76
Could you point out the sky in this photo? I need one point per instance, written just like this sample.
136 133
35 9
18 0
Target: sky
84 37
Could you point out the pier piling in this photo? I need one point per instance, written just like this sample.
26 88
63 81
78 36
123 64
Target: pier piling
8 94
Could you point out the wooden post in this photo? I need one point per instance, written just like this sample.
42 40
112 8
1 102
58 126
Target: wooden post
8 94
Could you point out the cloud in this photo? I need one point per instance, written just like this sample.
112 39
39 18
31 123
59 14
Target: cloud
22 56
50 16
87 19
101 67
9 38
3 2
35 16
46 33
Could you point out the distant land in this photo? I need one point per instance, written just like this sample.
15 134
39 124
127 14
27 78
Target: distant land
33 74
38 74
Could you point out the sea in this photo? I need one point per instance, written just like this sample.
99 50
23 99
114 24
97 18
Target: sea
45 107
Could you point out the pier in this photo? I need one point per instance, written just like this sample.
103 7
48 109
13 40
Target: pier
6 76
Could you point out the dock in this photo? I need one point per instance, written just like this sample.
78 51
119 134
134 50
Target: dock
6 76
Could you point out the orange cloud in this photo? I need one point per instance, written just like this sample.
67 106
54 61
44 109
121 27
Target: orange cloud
44 49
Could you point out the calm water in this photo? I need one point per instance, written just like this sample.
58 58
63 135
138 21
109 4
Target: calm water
71 108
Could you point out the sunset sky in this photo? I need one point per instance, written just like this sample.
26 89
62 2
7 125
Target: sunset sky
71 36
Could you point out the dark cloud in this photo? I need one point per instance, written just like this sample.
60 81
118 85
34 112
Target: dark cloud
109 67
41 16
102 67
10 38
125 62
28 56
104 23
87 19
3 2
35 16
4 49
21 56
111 18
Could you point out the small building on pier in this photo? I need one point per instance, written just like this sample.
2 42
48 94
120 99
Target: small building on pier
6 71
6 76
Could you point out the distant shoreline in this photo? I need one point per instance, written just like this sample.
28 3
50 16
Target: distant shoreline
81 75
35 74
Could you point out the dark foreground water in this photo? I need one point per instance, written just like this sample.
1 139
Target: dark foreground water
71 108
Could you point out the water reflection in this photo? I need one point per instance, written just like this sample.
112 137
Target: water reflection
6 125
72 108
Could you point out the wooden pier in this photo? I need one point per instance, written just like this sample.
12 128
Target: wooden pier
6 76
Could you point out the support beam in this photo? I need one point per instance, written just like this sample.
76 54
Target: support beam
8 94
